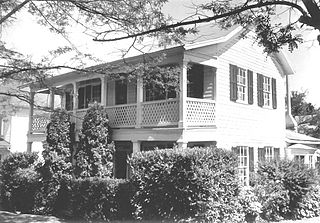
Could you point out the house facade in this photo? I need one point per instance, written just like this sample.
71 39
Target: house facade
231 95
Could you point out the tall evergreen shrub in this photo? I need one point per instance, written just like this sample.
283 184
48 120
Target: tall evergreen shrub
56 169
94 157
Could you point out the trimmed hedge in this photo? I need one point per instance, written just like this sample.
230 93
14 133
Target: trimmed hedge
198 183
282 187
100 198
18 182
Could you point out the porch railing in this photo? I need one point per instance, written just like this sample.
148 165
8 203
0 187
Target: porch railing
200 112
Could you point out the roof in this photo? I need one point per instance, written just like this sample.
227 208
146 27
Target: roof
207 35
301 146
294 137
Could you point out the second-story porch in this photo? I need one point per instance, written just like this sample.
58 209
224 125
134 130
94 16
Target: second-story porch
130 104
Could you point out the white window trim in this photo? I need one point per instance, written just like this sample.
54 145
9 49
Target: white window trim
243 85
269 155
267 90
243 166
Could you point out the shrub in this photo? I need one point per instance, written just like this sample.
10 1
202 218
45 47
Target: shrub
281 187
96 198
198 183
18 182
309 206
57 165
94 158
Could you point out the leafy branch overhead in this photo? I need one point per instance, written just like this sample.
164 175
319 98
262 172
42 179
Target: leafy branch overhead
110 20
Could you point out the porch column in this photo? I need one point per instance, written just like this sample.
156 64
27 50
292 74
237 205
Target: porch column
183 96
29 144
183 145
63 100
139 102
136 146
104 91
75 97
51 102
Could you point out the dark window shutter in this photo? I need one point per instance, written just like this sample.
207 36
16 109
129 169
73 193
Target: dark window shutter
261 154
233 82
250 87
260 90
251 159
277 154
274 93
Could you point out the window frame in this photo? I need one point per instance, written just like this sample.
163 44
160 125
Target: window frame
242 83
267 91
269 153
88 99
243 165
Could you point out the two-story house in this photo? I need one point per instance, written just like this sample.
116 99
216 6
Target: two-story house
231 95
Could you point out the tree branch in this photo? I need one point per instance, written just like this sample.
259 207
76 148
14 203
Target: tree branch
209 19
13 11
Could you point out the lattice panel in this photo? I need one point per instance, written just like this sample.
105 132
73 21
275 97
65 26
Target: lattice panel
160 113
39 123
201 112
122 116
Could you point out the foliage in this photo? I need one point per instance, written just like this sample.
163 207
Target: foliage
281 186
94 157
57 165
249 202
18 180
306 114
198 183
96 198
309 206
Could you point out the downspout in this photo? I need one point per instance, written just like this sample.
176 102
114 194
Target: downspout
290 121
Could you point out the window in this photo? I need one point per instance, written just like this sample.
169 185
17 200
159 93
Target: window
121 92
241 84
267 91
299 158
1 126
243 165
269 154
310 161
195 78
88 92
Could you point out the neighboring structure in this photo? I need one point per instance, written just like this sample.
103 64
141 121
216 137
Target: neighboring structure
231 95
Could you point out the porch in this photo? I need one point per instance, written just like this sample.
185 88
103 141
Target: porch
162 113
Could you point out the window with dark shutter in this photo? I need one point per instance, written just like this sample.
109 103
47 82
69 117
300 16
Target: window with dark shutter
250 87
261 154
251 159
260 89
233 82
274 93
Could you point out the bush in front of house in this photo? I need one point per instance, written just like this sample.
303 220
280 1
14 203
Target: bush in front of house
282 188
57 162
197 183
99 199
19 182
94 158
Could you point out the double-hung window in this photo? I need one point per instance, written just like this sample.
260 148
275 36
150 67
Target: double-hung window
269 153
267 91
243 164
241 85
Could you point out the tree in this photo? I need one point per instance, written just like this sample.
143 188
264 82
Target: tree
110 20
56 169
94 157
306 114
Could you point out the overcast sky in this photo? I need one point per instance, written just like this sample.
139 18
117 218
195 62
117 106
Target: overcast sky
30 38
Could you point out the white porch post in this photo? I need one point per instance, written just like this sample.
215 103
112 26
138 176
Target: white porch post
51 102
29 144
136 146
139 102
104 91
75 97
183 96
63 100
183 145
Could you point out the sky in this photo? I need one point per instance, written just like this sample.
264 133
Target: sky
30 38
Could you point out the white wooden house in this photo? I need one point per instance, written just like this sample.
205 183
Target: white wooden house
231 95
